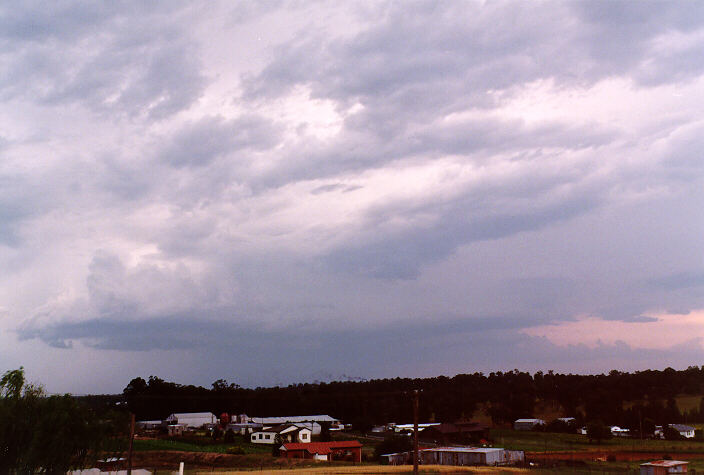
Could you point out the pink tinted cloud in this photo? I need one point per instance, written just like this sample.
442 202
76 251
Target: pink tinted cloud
666 331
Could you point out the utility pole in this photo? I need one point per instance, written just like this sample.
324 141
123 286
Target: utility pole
415 432
129 451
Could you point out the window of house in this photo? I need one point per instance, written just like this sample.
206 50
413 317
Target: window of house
260 436
304 436
268 436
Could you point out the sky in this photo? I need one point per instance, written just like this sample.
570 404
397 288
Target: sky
277 192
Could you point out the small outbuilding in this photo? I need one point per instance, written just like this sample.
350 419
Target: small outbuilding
663 467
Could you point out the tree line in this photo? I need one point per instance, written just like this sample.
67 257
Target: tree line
621 398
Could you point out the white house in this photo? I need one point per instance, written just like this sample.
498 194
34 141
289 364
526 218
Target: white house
286 433
312 422
192 419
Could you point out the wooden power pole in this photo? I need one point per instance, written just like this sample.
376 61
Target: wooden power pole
415 432
129 450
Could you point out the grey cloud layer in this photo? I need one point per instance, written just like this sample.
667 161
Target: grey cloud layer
244 351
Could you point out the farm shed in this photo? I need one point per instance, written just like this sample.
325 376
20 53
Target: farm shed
192 419
470 456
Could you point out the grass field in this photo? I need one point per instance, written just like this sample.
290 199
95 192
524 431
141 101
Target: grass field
547 442
184 446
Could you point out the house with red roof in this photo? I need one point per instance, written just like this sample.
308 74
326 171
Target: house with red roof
347 450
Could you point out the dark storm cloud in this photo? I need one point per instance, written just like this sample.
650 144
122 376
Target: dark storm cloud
397 349
682 280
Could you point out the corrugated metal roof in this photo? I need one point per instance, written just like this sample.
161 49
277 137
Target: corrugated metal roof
283 419
193 415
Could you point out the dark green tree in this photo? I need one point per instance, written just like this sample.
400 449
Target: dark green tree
45 434
597 431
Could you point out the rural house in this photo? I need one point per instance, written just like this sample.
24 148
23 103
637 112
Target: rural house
281 434
312 422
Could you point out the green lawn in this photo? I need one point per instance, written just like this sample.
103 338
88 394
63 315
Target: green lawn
543 441
185 446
